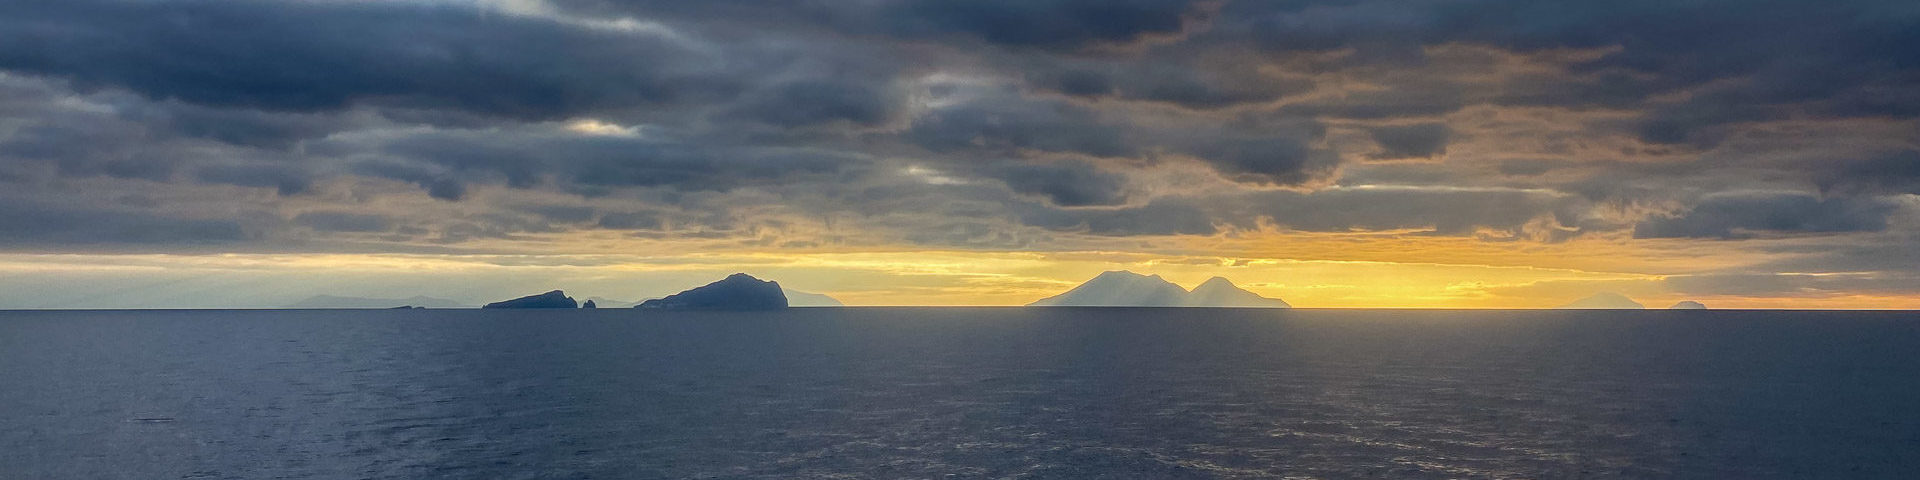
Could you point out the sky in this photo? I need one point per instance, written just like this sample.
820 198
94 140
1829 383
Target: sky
1333 153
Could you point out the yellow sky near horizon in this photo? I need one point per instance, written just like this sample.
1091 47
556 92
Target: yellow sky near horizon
1307 270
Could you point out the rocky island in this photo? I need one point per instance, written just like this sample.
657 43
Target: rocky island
737 292
553 299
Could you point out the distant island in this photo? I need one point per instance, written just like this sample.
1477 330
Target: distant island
553 299
330 301
1688 305
738 292
1604 301
796 298
1120 288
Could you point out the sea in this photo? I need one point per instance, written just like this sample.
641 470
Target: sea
958 393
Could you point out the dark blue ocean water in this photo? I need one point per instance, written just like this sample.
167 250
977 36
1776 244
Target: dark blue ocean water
960 393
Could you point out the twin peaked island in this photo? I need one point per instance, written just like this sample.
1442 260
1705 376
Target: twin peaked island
737 292
1122 288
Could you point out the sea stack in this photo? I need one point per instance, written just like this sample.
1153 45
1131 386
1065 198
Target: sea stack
737 292
553 299
589 304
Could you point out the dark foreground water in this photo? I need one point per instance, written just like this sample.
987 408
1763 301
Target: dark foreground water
961 393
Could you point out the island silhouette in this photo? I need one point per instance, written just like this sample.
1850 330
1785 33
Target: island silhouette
553 299
1604 301
736 292
1121 288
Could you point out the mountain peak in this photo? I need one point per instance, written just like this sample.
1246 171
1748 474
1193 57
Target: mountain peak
1220 292
1120 288
736 292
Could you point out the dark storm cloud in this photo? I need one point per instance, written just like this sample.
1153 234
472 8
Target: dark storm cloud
632 221
1067 184
1006 125
35 224
343 222
286 179
1897 172
1176 81
1760 58
437 181
1038 24
1270 160
305 56
812 102
1411 141
442 161
1438 211
1444 211
1733 216
701 112
1165 216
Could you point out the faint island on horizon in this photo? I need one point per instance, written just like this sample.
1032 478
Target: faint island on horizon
1121 288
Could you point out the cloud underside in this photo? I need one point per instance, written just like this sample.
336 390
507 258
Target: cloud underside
1787 131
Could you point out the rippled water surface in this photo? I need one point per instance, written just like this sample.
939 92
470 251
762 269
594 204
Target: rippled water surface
966 393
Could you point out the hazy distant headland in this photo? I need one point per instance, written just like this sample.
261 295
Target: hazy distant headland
1120 288
331 301
552 299
1604 301
1615 301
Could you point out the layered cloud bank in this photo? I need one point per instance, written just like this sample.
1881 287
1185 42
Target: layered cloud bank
1752 155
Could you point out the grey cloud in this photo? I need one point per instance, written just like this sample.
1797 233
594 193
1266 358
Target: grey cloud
1005 125
1411 141
1897 172
1039 23
1067 184
1744 215
1760 58
438 184
343 222
304 56
33 224
287 180
632 221
1200 85
1270 160
1163 216
813 102
1446 211
1067 25
746 105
